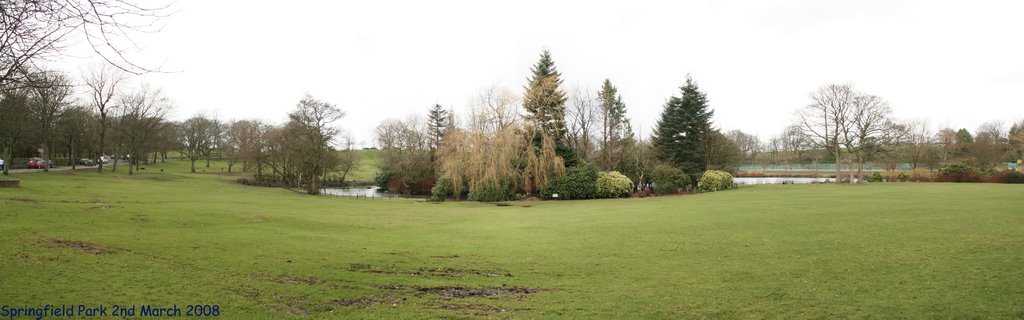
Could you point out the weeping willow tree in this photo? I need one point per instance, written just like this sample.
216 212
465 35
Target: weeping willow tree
479 159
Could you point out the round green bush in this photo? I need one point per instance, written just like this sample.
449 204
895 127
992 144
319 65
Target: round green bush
668 179
577 183
612 184
875 177
714 180
442 189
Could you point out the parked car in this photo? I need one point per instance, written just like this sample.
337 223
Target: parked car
86 162
50 163
1 164
36 163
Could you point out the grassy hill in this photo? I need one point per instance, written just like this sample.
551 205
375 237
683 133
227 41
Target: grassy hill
787 251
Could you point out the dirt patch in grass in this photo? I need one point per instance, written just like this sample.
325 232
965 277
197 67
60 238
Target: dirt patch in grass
25 200
474 309
453 256
366 301
464 292
429 272
80 245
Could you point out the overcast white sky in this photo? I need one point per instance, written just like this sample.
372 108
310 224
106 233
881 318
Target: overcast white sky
956 63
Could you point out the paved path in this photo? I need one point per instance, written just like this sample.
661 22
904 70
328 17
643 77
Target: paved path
62 168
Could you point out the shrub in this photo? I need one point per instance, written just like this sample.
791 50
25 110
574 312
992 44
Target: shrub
902 177
442 189
714 180
1014 176
577 183
612 184
498 191
668 179
875 177
382 178
958 173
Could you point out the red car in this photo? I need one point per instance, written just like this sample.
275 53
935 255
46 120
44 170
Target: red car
36 163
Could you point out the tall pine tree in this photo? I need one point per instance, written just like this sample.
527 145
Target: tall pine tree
684 125
437 122
545 106
614 125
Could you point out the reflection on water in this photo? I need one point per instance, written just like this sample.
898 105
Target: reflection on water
372 191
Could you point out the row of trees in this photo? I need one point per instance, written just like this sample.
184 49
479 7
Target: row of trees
102 116
847 126
510 143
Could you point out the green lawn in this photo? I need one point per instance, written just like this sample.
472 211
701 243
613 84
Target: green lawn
792 251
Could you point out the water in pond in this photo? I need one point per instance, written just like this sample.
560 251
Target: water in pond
372 191
779 180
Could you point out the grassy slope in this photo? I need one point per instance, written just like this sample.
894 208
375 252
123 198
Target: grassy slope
795 251
367 168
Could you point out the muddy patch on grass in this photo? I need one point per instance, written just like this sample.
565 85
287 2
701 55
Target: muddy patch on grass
429 272
79 245
453 256
474 309
23 200
366 301
465 292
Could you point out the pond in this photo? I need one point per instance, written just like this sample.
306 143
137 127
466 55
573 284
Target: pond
779 180
371 191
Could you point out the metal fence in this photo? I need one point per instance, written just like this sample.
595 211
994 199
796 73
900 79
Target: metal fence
826 167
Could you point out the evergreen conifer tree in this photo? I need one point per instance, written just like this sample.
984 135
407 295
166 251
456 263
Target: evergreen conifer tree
684 125
438 122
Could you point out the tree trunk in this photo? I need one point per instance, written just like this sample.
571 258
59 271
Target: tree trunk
193 165
839 164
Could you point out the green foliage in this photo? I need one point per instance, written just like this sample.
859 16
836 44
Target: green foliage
612 184
442 189
544 101
668 179
577 183
958 168
875 177
498 191
685 124
715 180
902 177
382 178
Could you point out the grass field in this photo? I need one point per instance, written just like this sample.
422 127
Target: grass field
790 251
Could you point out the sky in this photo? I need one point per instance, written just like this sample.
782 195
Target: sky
952 63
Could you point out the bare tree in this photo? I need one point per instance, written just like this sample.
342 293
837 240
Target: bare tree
51 93
919 144
314 121
349 158
825 120
582 122
32 31
14 120
990 144
103 84
871 130
196 136
140 116
947 139
494 109
74 131
749 144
